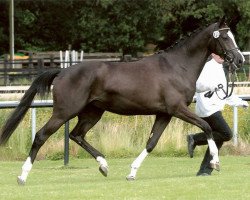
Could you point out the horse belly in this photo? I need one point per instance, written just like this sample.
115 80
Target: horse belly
123 106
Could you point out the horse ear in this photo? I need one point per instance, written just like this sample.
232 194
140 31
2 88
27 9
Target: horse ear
222 21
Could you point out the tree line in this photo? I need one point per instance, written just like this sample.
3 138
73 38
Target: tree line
126 26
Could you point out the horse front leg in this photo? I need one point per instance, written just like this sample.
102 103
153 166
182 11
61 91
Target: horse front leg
160 124
214 163
100 158
88 117
185 114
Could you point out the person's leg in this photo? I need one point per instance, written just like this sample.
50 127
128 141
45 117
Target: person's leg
221 130
221 133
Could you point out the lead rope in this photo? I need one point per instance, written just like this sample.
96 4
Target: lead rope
220 86
209 94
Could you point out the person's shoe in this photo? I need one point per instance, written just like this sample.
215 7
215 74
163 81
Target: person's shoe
190 145
203 174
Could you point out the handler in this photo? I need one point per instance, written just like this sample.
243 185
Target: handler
209 109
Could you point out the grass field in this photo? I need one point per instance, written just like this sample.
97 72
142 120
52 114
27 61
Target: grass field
158 178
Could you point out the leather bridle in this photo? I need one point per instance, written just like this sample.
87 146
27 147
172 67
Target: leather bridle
228 55
228 58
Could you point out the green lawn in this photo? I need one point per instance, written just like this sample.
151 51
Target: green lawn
158 178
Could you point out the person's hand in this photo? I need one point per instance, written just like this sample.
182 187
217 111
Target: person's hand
216 88
245 104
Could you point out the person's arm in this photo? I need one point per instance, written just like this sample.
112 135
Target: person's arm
234 100
206 81
210 78
204 86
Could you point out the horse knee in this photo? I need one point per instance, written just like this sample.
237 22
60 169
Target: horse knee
72 137
152 142
228 135
76 139
39 140
150 147
208 131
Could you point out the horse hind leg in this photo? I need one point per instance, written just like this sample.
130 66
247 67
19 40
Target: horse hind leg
86 120
41 136
160 124
185 114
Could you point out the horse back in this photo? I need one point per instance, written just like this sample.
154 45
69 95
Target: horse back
141 87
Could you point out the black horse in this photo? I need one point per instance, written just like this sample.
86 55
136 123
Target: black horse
162 85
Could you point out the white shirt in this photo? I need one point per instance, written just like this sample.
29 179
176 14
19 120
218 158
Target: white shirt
211 76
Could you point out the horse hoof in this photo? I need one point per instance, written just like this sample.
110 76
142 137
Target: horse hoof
20 181
215 166
104 170
130 178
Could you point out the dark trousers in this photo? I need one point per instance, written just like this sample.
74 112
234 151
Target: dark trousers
221 133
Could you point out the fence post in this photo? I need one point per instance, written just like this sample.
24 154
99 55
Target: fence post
6 78
33 123
81 56
235 125
52 58
66 59
61 59
66 143
40 65
31 60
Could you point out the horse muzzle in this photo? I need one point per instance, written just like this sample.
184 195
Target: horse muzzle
235 59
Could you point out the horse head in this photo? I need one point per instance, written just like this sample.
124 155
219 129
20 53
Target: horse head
224 45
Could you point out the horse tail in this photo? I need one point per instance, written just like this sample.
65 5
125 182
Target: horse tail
41 85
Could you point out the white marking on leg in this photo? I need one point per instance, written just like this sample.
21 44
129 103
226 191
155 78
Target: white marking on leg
213 151
102 161
27 166
136 164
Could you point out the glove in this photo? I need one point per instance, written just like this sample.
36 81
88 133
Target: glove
208 94
245 104
214 88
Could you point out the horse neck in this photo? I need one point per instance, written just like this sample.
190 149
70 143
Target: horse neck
194 54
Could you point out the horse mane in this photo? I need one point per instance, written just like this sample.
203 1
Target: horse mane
181 40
